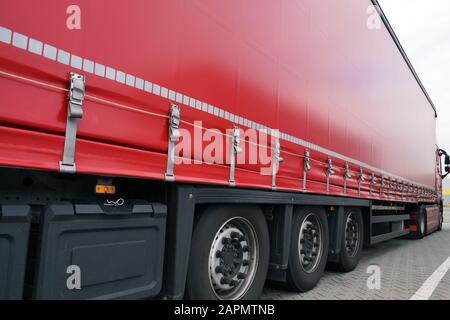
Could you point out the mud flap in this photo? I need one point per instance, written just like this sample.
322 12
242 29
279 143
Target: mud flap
102 251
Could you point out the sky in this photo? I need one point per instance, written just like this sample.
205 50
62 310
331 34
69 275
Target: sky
423 28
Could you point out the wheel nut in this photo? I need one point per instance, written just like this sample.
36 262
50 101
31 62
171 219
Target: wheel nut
224 280
218 254
241 275
245 248
245 262
226 241
234 234
219 269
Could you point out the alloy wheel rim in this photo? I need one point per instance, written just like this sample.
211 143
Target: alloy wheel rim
233 259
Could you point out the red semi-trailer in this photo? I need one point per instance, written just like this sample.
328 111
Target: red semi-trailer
196 148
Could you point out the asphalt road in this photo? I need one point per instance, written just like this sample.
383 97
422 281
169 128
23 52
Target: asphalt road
407 268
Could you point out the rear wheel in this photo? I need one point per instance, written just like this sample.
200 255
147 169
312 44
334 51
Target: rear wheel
421 224
309 248
351 241
229 254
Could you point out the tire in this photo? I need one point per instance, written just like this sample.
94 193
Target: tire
351 249
441 218
229 254
304 268
421 224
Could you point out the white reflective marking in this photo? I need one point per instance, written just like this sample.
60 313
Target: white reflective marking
210 109
221 113
172 95
20 40
99 70
216 111
227 115
186 100
204 107
139 83
49 52
192 102
76 62
156 89
88 66
5 35
179 97
110 73
63 57
35 46
164 92
198 105
120 77
428 287
148 86
130 80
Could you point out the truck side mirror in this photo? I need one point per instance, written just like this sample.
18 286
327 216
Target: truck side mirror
447 163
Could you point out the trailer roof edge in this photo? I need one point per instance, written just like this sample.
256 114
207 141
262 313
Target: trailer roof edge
402 51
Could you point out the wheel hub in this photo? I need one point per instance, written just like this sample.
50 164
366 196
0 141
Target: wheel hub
231 257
